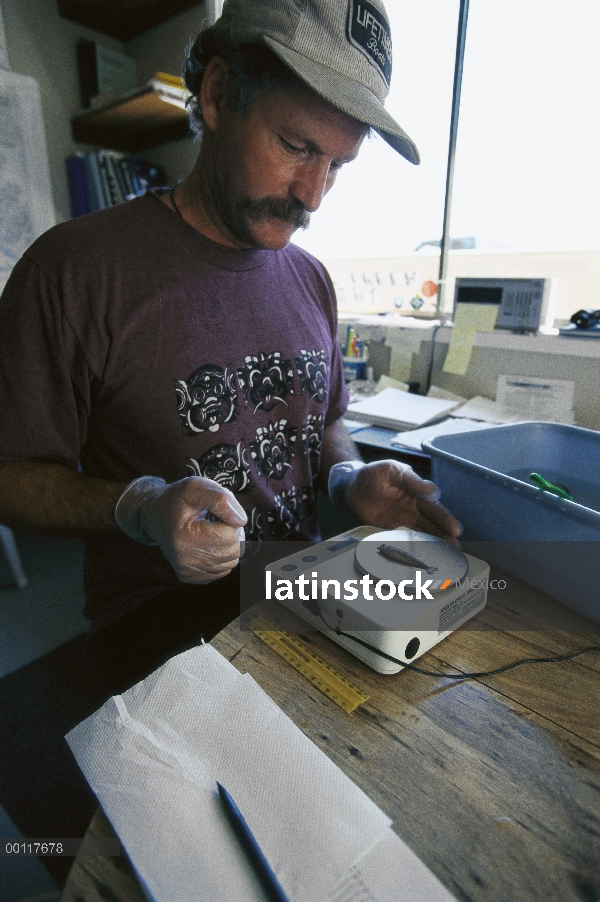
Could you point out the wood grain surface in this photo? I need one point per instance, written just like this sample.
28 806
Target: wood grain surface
494 782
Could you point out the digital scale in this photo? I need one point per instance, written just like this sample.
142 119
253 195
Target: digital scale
378 629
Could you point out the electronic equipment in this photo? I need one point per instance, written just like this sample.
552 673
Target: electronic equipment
585 323
523 304
402 628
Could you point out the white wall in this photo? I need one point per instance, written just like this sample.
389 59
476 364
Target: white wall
163 49
577 275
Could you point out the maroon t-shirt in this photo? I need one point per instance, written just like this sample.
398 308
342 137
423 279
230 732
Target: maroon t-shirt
134 346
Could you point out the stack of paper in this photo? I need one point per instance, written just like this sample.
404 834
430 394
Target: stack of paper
394 409
171 88
520 398
153 757
487 411
415 437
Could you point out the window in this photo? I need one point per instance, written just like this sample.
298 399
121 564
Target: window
526 183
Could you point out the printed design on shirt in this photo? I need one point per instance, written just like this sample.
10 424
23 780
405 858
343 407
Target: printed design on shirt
253 529
225 464
273 449
312 438
207 399
289 512
266 380
314 374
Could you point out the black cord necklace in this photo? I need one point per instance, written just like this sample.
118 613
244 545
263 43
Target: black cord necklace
172 196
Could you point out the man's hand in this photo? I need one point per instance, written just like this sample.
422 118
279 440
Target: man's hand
174 517
390 494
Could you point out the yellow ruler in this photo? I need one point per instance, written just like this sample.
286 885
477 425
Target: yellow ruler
322 675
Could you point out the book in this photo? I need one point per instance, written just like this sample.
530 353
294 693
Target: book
103 178
77 185
119 175
114 190
399 410
108 202
124 167
102 70
95 190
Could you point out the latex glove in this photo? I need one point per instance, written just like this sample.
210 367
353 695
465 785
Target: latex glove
174 517
389 494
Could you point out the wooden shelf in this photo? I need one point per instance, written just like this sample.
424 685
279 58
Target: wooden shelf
122 19
137 122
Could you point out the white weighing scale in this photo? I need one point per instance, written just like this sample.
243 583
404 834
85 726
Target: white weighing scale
401 628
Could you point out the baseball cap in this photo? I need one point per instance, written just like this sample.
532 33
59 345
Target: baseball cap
342 49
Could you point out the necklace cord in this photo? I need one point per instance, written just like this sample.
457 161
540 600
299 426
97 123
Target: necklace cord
172 196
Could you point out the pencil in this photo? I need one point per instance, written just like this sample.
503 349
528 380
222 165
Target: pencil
262 866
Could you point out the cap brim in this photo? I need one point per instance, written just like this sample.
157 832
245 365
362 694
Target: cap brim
347 95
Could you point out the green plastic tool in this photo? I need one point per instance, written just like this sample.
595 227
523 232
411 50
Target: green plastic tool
549 486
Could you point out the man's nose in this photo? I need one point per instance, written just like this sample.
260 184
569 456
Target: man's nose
311 183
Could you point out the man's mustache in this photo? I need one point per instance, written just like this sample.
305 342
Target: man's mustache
291 211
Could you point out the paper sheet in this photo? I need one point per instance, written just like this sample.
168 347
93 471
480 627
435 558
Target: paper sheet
388 382
415 437
481 317
25 192
436 392
537 399
487 411
154 754
354 425
403 343
390 871
469 319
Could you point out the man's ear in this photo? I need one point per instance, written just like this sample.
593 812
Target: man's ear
212 92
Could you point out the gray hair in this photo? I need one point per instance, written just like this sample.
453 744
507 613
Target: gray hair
253 69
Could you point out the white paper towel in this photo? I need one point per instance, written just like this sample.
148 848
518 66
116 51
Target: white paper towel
154 754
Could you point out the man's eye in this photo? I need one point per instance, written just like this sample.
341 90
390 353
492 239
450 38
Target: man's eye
291 147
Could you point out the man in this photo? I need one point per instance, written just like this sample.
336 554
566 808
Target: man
171 373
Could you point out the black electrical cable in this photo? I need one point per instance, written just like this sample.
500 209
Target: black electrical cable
458 676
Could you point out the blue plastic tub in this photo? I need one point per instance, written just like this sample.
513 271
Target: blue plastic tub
549 542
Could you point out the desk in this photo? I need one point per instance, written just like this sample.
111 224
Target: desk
494 783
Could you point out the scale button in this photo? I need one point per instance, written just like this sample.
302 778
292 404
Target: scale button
289 567
310 557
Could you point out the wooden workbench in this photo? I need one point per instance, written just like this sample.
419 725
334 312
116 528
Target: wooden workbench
494 782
